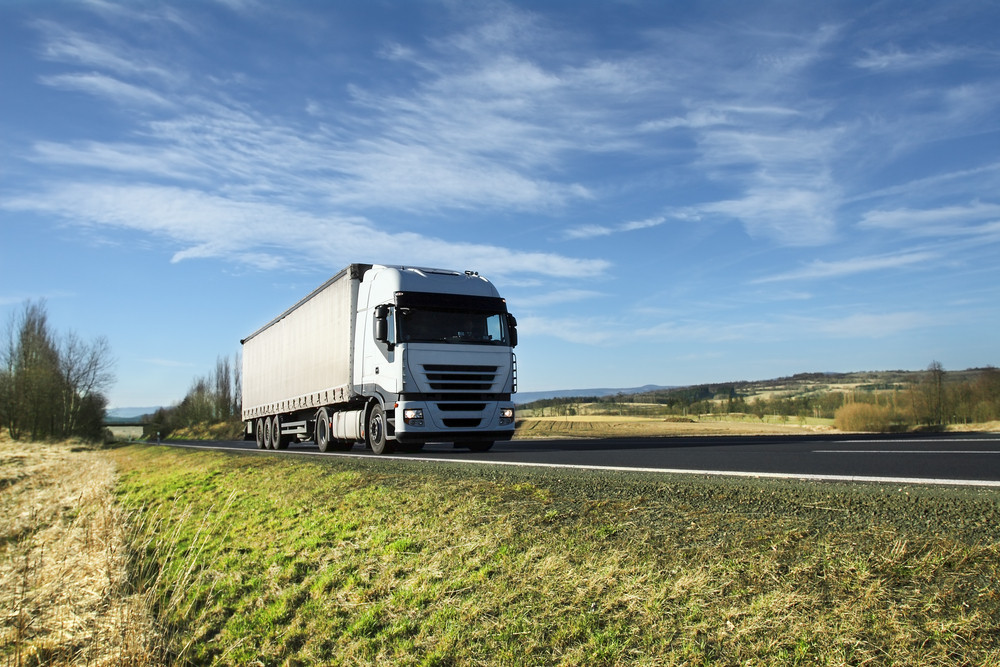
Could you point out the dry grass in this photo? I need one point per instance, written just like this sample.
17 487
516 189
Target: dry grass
864 417
64 576
984 427
217 431
589 426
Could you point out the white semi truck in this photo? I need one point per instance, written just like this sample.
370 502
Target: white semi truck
390 356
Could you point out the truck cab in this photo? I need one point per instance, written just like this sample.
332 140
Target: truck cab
436 353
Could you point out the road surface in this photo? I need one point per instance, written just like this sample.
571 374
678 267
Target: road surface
940 458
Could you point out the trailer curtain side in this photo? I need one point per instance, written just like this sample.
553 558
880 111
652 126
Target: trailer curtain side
303 358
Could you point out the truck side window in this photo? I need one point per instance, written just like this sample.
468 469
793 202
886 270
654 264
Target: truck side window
494 328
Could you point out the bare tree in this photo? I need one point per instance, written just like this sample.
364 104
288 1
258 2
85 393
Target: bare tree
223 388
48 389
238 386
87 369
935 387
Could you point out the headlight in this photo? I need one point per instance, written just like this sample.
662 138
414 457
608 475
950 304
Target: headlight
413 416
506 416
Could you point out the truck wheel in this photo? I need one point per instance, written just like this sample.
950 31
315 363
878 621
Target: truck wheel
322 435
376 432
267 434
278 441
259 433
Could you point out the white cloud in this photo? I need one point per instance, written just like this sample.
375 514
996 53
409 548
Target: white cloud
976 219
592 231
697 119
896 59
126 158
820 269
784 176
204 225
787 215
705 117
589 231
949 183
71 47
108 87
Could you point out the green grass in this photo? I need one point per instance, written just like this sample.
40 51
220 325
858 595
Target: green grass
283 560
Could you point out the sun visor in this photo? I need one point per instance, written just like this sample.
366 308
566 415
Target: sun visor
459 302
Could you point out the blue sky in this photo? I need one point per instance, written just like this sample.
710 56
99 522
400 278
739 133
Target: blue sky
666 192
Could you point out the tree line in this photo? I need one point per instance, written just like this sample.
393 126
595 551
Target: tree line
215 398
52 386
932 398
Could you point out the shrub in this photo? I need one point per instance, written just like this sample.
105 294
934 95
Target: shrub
863 417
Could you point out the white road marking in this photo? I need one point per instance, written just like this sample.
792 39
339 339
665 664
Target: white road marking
911 441
903 451
663 471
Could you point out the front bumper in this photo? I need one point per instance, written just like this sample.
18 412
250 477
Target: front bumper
413 438
455 421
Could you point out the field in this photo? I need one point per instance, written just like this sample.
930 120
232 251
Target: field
247 559
598 426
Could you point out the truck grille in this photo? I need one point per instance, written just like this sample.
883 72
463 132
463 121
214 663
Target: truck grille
461 392
447 377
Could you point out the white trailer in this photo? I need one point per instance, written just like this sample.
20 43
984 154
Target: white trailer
390 356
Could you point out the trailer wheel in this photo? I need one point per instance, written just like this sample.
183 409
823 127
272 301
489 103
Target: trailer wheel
376 432
259 433
278 441
267 434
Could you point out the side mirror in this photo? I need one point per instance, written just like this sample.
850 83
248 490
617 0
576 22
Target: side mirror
512 327
382 324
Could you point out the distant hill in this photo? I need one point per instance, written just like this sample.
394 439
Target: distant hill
795 385
529 396
128 415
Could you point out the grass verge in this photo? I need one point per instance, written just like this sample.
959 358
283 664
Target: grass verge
274 559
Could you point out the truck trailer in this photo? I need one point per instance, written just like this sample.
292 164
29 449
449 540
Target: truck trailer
390 356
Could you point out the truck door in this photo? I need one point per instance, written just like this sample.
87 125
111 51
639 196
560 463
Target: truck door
379 368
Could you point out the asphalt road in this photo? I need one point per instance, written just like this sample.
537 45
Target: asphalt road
939 458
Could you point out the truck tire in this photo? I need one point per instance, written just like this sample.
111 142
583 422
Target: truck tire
278 441
258 431
376 432
322 430
267 434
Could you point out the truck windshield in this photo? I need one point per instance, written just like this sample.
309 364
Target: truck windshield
428 325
